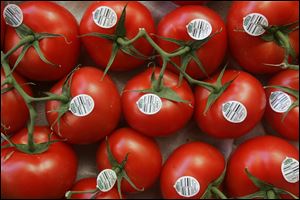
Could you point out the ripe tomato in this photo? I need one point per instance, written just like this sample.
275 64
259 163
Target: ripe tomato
263 156
211 54
236 111
289 127
102 111
170 118
46 17
14 112
86 184
252 52
137 16
144 158
199 160
37 176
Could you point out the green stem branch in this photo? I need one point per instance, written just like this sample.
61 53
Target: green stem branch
218 193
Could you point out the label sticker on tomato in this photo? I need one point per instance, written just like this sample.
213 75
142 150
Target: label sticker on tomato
199 29
290 170
13 15
105 17
82 105
106 180
234 111
280 101
149 104
187 186
253 24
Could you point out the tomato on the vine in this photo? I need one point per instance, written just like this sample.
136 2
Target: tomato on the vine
92 110
279 102
14 112
268 158
62 51
36 176
237 110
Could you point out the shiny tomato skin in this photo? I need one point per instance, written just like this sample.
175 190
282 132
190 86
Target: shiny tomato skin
104 117
172 116
197 159
173 25
137 16
14 112
289 127
46 17
46 175
252 52
262 156
245 89
86 184
144 157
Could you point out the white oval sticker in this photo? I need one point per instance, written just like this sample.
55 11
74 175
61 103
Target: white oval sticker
187 186
106 180
199 29
280 101
290 170
13 15
234 111
105 17
149 104
253 24
82 105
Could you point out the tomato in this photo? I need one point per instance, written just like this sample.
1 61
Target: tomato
263 157
99 49
46 17
183 3
100 120
252 52
2 25
236 111
14 111
36 176
144 158
86 184
199 160
289 127
174 25
170 118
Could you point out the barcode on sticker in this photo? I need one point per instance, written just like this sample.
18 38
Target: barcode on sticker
105 17
199 29
187 186
290 170
280 101
106 180
81 105
253 24
13 15
234 111
149 104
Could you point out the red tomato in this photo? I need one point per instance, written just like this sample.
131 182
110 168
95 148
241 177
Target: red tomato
46 17
144 158
246 90
211 54
137 16
252 52
199 160
2 25
289 127
183 3
102 119
263 157
14 111
86 184
46 175
157 124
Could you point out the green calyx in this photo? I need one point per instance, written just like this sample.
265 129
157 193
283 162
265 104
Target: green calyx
280 35
266 190
290 91
94 192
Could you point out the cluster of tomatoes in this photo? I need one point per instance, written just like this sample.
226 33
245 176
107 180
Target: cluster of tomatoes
189 47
